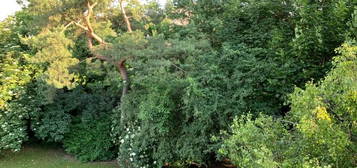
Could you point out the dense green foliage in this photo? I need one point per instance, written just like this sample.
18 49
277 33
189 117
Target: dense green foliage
262 142
90 140
324 128
326 114
151 126
16 74
73 73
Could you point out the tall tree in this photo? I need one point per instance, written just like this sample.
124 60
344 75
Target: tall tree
82 14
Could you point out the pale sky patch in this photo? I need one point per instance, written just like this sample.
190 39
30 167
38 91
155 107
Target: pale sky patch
8 7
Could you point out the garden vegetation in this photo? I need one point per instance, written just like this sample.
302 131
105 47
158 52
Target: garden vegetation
195 82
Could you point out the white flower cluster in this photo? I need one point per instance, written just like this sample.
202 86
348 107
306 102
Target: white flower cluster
137 157
130 134
5 126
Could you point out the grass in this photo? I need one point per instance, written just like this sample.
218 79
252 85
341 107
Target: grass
35 156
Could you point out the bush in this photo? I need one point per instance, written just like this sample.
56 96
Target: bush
321 125
155 103
89 136
326 113
256 143
90 140
13 126
15 75
52 124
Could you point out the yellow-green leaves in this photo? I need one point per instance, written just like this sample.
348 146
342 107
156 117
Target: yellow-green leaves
13 77
54 54
322 114
326 113
318 131
59 74
258 143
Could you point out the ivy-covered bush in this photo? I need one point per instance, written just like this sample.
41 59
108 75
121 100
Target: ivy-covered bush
133 150
147 125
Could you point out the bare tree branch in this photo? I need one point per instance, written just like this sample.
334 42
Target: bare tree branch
93 5
90 31
66 26
126 18
81 26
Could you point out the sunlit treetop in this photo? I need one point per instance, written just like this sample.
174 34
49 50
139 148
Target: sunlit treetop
54 54
54 12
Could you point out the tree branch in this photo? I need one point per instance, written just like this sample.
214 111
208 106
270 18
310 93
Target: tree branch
81 26
66 26
126 18
93 5
91 35
90 31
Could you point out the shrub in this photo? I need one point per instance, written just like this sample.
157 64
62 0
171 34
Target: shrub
15 75
13 126
90 140
326 113
51 124
155 103
256 143
321 125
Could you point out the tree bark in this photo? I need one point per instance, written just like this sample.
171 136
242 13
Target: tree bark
126 18
91 35
124 74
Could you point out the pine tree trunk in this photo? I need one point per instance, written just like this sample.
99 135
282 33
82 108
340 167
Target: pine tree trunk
124 75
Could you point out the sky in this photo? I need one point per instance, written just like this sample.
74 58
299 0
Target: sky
9 7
